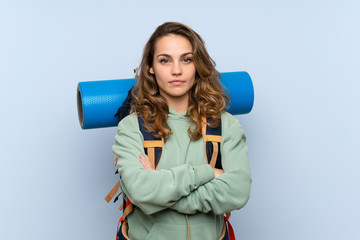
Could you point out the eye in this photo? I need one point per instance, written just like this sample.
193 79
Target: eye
164 60
187 60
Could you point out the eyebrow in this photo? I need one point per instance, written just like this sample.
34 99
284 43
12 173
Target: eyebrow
167 55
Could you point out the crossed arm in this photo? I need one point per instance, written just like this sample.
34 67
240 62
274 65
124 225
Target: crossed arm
186 189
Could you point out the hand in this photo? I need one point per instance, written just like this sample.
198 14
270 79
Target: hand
218 172
146 162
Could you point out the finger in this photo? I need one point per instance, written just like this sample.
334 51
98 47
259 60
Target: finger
149 162
145 162
142 157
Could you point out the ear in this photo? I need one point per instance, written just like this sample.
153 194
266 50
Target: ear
151 70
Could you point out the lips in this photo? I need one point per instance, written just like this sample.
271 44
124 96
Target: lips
176 82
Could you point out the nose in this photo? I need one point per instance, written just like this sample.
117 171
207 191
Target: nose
176 68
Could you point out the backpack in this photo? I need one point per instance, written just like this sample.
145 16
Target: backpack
153 148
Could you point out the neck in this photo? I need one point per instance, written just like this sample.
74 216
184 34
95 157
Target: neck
179 105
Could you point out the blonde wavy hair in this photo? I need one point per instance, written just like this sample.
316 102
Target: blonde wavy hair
206 98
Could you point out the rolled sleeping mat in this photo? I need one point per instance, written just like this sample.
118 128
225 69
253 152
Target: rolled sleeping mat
98 101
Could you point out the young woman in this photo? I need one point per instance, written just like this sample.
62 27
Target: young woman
178 94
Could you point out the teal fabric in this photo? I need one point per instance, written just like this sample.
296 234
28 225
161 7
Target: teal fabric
184 183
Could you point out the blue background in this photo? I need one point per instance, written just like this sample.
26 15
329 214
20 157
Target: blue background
303 133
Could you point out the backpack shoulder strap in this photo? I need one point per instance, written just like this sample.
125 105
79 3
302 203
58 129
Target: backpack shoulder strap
153 146
212 141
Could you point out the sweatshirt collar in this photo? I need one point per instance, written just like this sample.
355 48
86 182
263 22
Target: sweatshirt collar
174 115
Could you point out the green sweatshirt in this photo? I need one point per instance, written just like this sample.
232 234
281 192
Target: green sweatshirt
183 183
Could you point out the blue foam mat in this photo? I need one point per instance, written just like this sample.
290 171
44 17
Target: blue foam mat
98 101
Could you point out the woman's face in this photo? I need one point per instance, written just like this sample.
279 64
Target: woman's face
173 67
